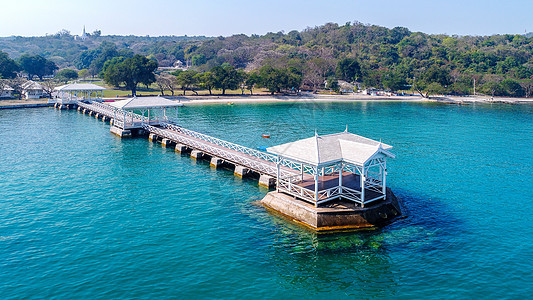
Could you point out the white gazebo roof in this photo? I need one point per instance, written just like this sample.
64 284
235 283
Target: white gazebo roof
80 87
145 103
332 148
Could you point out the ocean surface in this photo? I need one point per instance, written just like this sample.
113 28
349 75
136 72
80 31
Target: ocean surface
86 215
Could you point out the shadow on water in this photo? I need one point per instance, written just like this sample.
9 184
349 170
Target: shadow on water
370 260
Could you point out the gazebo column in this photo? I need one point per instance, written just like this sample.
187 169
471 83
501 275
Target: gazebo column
340 176
384 178
278 167
363 186
302 172
316 185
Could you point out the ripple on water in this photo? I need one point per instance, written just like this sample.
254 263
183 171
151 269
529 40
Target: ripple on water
84 214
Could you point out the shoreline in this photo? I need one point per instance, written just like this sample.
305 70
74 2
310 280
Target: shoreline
266 99
247 99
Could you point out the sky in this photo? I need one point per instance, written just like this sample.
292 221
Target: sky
228 17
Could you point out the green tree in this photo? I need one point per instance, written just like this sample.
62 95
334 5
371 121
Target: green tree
206 80
512 88
252 80
36 65
8 67
66 75
130 72
226 78
348 69
492 88
527 85
394 81
187 79
84 73
433 80
277 79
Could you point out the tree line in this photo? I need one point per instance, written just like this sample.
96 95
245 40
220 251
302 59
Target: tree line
370 56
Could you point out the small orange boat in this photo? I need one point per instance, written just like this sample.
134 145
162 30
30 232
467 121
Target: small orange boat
266 135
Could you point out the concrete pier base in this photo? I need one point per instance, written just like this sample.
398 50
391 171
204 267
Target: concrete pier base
152 137
196 154
165 143
267 181
241 171
79 108
120 132
216 162
104 118
180 148
96 116
335 215
90 113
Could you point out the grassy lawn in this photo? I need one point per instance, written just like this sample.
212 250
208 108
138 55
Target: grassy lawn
153 90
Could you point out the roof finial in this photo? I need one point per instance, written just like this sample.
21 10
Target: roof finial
316 133
346 130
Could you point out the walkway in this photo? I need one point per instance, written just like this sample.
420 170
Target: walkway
256 161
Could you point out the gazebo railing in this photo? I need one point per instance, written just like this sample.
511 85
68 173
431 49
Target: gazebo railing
296 190
289 184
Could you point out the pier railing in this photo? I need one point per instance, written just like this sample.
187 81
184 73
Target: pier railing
261 166
226 144
106 111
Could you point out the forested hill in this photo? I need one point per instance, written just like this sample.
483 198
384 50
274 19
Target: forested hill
63 49
373 55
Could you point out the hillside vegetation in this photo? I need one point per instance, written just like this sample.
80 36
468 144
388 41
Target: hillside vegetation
372 56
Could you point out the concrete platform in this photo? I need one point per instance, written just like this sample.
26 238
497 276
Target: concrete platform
267 181
241 171
197 154
337 215
180 148
216 162
120 132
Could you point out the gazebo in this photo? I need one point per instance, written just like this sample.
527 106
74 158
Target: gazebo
335 166
72 92
153 111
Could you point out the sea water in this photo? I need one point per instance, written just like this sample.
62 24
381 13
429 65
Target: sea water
84 214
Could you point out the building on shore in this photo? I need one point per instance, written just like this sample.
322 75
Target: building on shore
32 90
6 92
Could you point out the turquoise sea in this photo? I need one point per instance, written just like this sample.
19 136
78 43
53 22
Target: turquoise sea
84 214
